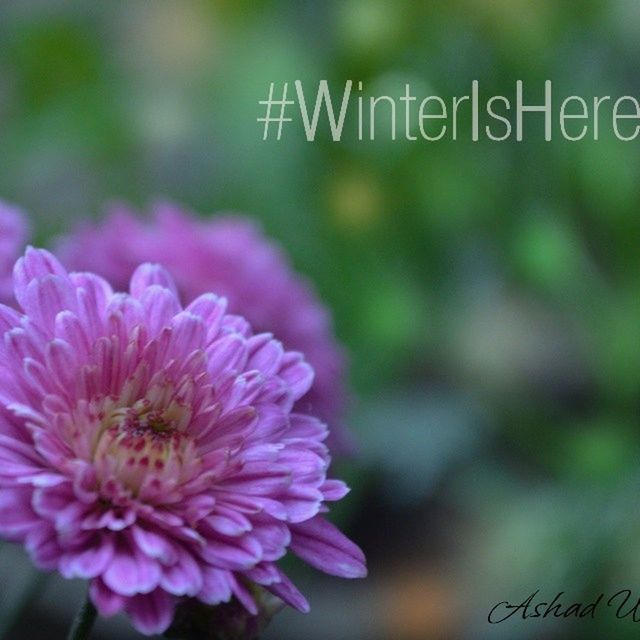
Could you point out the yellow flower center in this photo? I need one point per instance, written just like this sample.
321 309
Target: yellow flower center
140 441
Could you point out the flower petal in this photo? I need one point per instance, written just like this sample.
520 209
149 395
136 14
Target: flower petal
151 613
324 547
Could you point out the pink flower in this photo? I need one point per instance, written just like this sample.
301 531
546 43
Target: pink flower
13 236
155 450
231 257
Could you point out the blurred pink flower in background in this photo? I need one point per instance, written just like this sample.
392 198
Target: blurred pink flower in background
14 231
155 450
230 256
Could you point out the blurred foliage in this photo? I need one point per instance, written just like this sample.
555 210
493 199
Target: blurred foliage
504 273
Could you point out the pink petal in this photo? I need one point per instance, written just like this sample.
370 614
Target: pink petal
107 602
297 373
244 596
228 522
334 490
302 502
62 362
265 354
235 554
286 590
274 537
131 572
216 586
36 263
184 577
211 309
306 427
151 613
16 515
9 318
160 305
93 294
42 545
226 353
154 544
187 335
324 547
44 298
88 562
147 275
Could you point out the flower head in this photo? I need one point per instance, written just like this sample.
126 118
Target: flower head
154 449
13 236
230 256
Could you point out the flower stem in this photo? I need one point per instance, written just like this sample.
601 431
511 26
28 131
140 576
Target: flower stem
86 616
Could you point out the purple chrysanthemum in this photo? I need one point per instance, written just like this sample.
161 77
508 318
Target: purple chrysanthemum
13 236
232 257
154 450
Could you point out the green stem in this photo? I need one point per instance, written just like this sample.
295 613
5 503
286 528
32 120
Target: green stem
83 623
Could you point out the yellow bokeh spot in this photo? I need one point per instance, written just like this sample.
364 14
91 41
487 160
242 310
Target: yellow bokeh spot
355 201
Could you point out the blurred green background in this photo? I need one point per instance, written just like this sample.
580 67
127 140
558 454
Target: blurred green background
488 292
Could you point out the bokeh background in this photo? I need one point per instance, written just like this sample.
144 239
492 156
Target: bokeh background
488 293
